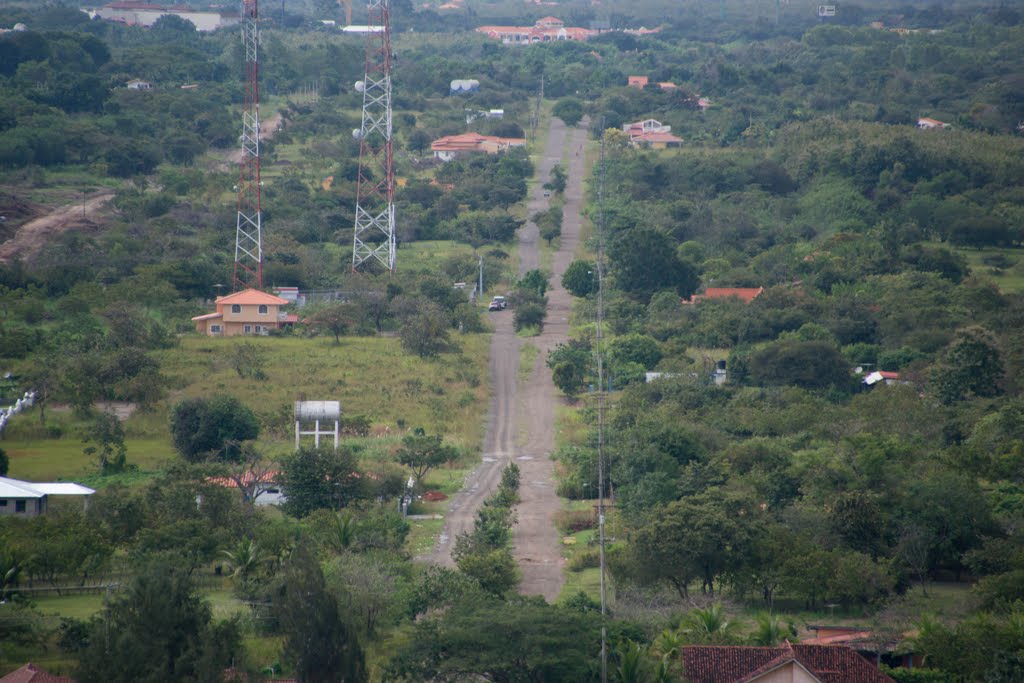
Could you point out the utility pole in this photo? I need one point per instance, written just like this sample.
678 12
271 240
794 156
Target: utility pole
481 288
600 409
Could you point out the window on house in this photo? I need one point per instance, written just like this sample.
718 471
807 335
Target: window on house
19 506
263 310
236 308
3 502
259 329
215 329
248 329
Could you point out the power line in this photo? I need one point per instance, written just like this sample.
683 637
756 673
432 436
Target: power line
600 406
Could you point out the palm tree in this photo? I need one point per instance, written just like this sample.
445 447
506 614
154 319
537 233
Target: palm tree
709 626
632 663
342 531
244 563
770 631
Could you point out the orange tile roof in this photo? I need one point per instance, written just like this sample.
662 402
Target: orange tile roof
469 142
744 294
252 296
207 316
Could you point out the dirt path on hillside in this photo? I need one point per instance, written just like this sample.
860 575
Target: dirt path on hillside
536 542
32 237
268 127
521 418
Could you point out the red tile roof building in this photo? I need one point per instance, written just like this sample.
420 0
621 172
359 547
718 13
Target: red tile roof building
30 673
247 312
451 146
796 663
744 294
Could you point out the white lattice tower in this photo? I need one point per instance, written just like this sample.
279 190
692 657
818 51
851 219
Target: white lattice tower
374 238
249 230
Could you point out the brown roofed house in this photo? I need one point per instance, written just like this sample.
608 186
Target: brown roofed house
744 294
247 312
30 673
784 664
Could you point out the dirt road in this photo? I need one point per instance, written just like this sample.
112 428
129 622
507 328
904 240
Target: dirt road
31 237
521 420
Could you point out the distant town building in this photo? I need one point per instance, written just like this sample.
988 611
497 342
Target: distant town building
136 84
744 294
637 81
452 146
544 30
931 124
145 14
639 128
30 499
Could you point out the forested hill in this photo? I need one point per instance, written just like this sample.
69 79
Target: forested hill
824 268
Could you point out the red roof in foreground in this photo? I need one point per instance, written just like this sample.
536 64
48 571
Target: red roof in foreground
733 664
30 673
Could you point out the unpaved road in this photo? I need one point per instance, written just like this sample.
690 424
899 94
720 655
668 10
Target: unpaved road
521 424
32 237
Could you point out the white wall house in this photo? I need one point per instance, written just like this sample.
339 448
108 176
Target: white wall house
30 499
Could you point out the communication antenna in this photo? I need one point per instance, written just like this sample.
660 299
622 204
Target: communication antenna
374 237
600 406
249 229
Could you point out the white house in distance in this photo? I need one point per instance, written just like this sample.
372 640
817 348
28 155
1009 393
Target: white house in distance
145 14
29 499
137 84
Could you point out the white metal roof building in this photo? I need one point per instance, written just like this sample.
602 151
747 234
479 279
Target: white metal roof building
29 499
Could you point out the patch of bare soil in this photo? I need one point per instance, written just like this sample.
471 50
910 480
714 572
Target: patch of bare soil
268 127
30 239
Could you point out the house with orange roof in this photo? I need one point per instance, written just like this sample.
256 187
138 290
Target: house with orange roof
932 124
744 294
260 488
656 140
637 81
452 146
249 312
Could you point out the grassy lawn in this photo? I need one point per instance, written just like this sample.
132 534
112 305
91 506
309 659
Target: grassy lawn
371 376
1004 267
35 458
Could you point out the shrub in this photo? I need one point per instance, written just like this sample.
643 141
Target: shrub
573 521
586 559
529 315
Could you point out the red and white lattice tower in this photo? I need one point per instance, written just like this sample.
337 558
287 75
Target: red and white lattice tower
375 194
249 231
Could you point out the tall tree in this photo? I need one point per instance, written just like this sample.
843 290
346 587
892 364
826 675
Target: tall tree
317 641
317 479
159 629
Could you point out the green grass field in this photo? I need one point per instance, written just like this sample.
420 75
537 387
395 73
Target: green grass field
371 376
